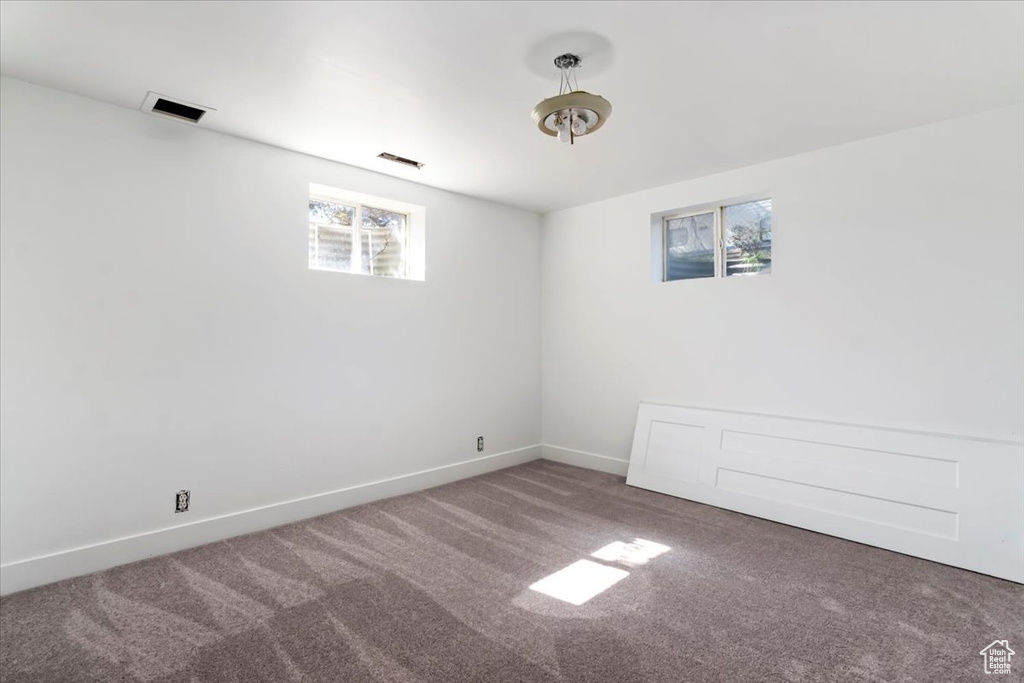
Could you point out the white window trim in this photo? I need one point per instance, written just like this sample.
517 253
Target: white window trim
416 217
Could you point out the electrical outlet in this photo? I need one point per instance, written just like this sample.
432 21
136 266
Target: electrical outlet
181 499
479 444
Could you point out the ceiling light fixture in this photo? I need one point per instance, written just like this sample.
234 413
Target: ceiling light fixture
572 113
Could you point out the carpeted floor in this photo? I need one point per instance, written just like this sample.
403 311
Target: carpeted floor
435 586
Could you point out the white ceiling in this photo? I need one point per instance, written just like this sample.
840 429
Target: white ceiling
697 87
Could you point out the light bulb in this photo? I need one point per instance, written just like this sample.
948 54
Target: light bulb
579 125
562 126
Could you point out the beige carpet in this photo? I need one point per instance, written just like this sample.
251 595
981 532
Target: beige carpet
435 586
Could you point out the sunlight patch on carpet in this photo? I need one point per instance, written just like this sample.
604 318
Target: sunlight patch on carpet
634 554
579 582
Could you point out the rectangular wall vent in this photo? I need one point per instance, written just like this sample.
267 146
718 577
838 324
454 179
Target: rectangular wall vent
399 160
175 109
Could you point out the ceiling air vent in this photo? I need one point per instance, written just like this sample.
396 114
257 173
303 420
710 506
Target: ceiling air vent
175 109
399 160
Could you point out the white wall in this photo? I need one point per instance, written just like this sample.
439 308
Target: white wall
160 329
897 297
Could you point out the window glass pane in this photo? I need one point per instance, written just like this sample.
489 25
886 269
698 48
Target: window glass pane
384 242
747 229
333 249
690 247
330 235
323 211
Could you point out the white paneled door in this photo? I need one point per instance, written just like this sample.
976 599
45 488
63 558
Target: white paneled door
951 499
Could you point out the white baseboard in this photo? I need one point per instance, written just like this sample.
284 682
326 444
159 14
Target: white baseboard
37 571
590 461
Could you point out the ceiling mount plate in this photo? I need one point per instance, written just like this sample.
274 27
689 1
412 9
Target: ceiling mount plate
593 50
567 61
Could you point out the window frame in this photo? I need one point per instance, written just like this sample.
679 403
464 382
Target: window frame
718 211
357 230
716 237
415 226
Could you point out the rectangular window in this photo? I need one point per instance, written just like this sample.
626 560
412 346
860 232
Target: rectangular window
724 241
356 236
